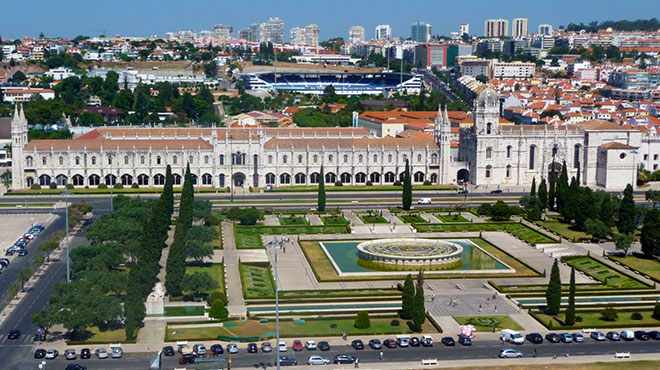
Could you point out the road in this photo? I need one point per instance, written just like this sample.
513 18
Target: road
479 350
437 84
15 353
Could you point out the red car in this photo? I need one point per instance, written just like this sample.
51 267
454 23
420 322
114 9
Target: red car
389 343
297 345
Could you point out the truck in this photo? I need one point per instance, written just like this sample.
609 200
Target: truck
512 336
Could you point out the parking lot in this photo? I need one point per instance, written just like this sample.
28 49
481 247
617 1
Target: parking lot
15 225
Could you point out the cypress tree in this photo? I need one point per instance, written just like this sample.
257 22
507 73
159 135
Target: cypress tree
408 298
627 222
543 195
134 310
552 196
570 310
321 193
176 260
570 198
406 196
419 309
533 191
650 238
606 212
168 191
553 293
562 188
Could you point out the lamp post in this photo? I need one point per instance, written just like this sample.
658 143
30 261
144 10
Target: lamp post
66 226
273 244
112 181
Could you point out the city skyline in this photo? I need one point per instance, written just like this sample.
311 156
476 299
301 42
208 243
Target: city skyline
145 20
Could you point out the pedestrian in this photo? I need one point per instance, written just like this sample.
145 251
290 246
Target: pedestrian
380 356
567 355
433 298
284 249
535 353
357 363
495 308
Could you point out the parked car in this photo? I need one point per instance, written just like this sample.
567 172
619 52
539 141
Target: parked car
252 348
39 337
199 349
22 252
464 340
40 353
597 336
424 201
375 343
288 361
578 338
627 335
448 341
75 367
310 345
297 345
344 359
265 347
509 353
101 353
566 338
552 338
70 354
323 346
186 358
641 335
403 341
4 262
535 338
185 349
14 334
51 354
282 347
654 334
217 349
357 344
317 360
117 352
427 341
613 336
389 343
85 353
167 351
414 341
232 348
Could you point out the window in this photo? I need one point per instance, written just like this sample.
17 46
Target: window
60 160
374 177
345 178
191 159
330 158
488 169
206 179
361 178
94 180
345 158
489 153
655 166
77 161
419 158
141 159
285 178
126 180
29 162
61 180
532 154
300 159
646 156
222 159
125 159
554 151
434 158
206 161
300 178
418 176
143 180
330 178
285 159
389 177
270 178
315 158
488 128
78 180
43 162
222 180
44 180
159 180
270 159
389 158
314 178
655 157
158 160
94 161
360 158
508 151
175 159
576 156
405 157
255 159
508 170
110 161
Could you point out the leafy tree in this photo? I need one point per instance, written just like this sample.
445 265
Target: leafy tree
484 209
48 246
606 211
543 195
610 314
408 298
199 282
406 195
42 319
656 311
218 309
627 222
500 211
211 69
553 293
199 251
246 216
362 320
622 242
650 238
552 196
321 192
37 261
653 196
329 91
585 205
24 275
570 310
534 213
202 210
483 79
532 192
596 228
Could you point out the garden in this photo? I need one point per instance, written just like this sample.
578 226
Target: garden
606 275
249 237
371 217
334 220
257 281
600 319
293 221
647 266
215 270
486 323
412 218
450 218
516 229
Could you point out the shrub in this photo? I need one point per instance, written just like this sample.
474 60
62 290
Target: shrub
484 209
395 322
369 183
52 185
69 186
134 186
362 320
609 314
397 183
656 311
118 186
338 183
215 295
500 211
333 326
636 316
247 216
102 186
218 310
35 186
427 182
578 318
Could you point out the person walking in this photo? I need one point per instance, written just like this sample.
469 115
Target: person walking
357 363
535 353
380 356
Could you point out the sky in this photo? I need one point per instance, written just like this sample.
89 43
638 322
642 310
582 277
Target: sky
69 18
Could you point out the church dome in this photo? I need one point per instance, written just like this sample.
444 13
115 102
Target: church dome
488 97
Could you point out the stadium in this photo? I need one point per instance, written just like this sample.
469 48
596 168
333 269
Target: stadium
349 84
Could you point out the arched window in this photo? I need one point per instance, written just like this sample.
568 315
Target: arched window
191 160
159 180
255 159
300 178
222 159
330 158
94 180
285 159
206 179
554 151
389 158
315 158
176 179
285 178
43 161
405 157
194 179
314 178
489 153
29 162
508 151
110 160
508 170
206 161
345 158
576 155
389 177
142 159
532 156
158 160
374 177
270 178
488 128
360 178
330 178
60 160
44 180
125 159
94 161
29 181
143 180
78 180
488 170
126 180
345 178
77 161
419 158
175 159
61 180
221 183
110 180
375 158
270 159
434 158
419 176
434 178
300 159
360 158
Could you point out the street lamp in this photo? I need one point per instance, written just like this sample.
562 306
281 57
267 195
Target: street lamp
112 181
273 244
66 225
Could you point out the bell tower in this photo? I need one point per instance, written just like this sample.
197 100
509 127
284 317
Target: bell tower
442 135
487 113
19 138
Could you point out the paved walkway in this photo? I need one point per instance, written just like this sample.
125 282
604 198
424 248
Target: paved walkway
293 269
271 220
430 218
314 220
236 306
352 218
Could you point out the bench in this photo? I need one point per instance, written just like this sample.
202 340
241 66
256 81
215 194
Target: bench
622 355
429 361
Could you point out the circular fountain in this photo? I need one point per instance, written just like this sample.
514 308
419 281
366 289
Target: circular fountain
412 253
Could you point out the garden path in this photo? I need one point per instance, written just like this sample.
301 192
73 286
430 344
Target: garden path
236 305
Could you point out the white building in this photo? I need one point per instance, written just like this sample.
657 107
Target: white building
24 94
519 28
60 73
383 31
463 29
356 35
513 70
496 28
222 31
545 29
305 36
272 31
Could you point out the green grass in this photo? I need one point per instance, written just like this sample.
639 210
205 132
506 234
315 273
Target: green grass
334 220
249 237
184 311
375 219
485 323
217 243
98 336
594 319
293 221
409 219
257 281
516 229
602 273
566 230
216 270
453 218
650 267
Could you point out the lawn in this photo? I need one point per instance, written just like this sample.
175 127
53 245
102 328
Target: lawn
486 323
566 230
216 270
114 335
604 274
334 220
217 243
514 228
184 311
451 218
257 281
414 218
249 237
333 327
373 219
293 220
593 319
646 266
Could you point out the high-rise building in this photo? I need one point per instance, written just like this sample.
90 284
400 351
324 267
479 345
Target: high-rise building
272 31
244 34
307 36
545 30
356 35
254 33
496 28
383 31
222 31
421 31
519 27
463 29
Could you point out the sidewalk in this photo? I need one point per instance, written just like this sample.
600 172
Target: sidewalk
236 306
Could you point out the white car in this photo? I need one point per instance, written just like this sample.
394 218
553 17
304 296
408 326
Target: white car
510 353
117 352
199 349
51 354
101 353
310 345
282 347
232 348
317 360
424 201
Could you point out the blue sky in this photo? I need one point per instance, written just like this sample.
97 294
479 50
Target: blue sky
68 18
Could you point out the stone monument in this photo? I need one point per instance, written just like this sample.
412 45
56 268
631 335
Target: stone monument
154 304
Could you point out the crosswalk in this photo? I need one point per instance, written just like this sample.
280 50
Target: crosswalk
23 340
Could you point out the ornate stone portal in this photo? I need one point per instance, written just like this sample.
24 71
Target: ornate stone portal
154 304
411 253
